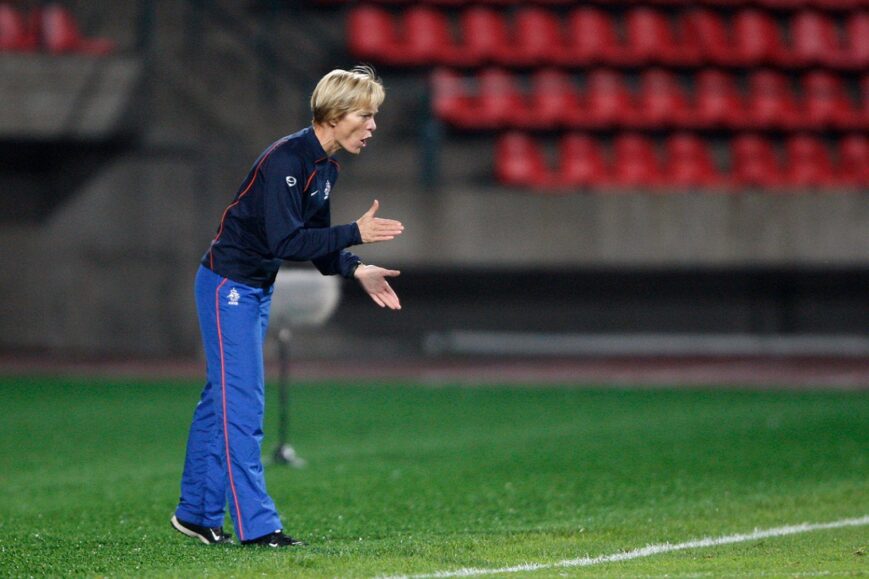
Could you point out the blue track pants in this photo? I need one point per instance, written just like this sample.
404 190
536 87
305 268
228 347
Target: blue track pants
223 463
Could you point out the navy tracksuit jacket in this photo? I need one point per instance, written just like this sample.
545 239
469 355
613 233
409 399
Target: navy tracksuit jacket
281 212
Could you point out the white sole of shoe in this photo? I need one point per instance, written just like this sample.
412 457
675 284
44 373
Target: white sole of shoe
185 531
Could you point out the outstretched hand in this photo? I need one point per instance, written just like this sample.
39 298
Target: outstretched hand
374 229
373 281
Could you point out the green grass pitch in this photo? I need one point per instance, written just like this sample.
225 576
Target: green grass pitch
407 479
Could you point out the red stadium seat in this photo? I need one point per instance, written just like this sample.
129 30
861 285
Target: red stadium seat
450 100
499 103
854 160
689 163
856 53
757 39
717 102
705 37
427 39
607 101
754 162
770 101
648 38
485 38
591 38
519 162
538 39
15 33
60 34
554 100
371 35
814 40
825 103
581 162
660 102
634 162
808 163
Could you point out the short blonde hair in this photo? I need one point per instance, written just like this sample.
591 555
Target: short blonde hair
342 91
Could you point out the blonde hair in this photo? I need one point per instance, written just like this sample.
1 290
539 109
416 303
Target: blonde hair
342 91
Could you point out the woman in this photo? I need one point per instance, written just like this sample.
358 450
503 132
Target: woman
280 212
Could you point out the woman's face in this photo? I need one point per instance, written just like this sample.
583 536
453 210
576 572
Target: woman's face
354 129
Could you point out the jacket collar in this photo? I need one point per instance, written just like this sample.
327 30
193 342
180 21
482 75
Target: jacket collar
312 144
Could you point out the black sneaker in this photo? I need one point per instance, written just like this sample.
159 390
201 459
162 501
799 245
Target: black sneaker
208 535
276 539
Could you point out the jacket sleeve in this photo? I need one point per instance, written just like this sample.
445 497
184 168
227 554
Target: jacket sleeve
286 234
338 262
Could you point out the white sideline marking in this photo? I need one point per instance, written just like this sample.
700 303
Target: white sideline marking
650 550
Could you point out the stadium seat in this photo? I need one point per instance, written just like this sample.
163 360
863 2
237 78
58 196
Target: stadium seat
607 101
554 100
856 52
754 162
688 162
814 40
60 33
854 160
450 100
705 37
485 38
757 39
717 103
660 102
537 37
825 103
499 102
591 38
808 163
519 161
15 33
648 38
770 102
634 162
426 37
371 35
581 162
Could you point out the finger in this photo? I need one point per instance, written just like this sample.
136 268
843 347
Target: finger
390 300
377 300
389 297
373 209
390 273
388 222
382 225
395 299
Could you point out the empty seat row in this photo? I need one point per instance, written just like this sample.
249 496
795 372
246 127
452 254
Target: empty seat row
553 101
534 36
51 28
685 161
771 4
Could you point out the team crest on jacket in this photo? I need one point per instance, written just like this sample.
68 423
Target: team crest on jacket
291 181
326 189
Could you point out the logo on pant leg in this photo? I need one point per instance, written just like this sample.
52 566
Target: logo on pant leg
233 297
